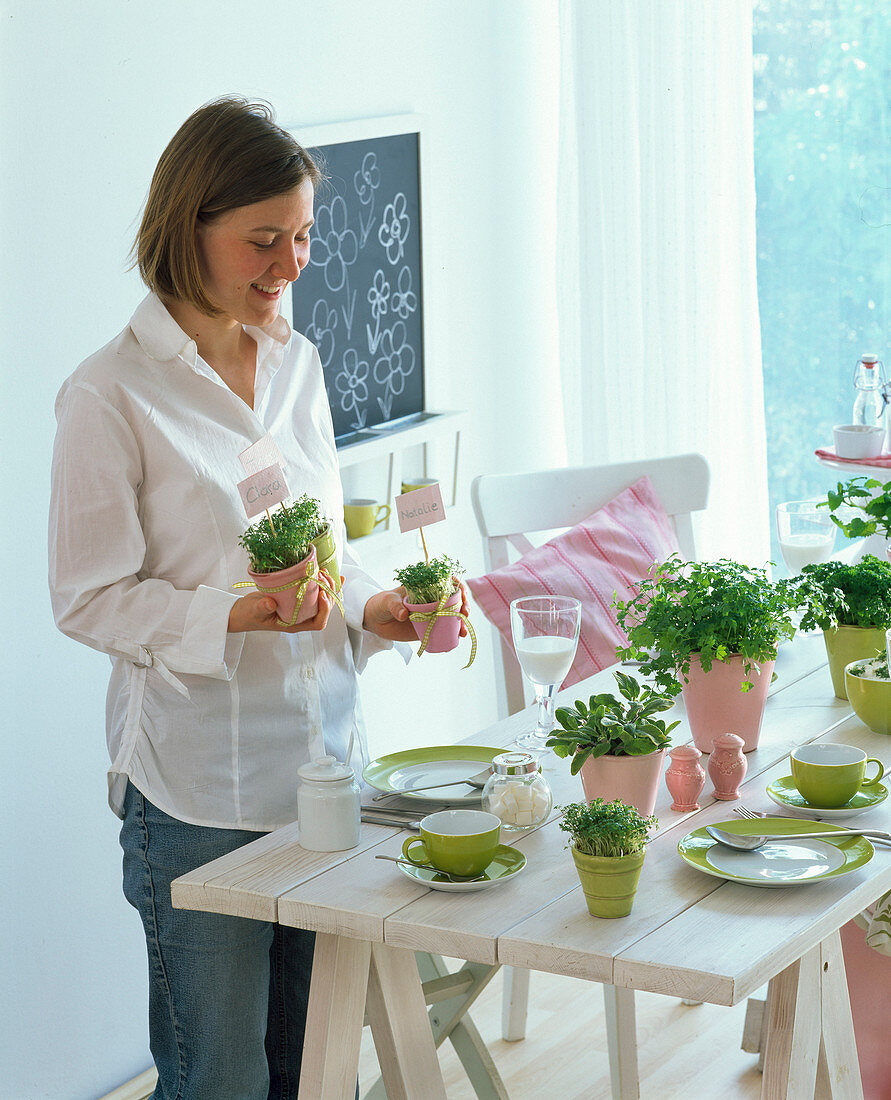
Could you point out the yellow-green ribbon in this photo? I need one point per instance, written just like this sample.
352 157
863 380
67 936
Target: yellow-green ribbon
300 585
430 617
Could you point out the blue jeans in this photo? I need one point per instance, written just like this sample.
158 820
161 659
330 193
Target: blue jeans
227 995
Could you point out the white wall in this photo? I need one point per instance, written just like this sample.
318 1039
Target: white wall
91 94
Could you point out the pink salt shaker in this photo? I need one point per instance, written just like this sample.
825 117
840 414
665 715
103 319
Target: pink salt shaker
685 778
727 766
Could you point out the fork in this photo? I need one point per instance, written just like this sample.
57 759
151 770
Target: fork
744 811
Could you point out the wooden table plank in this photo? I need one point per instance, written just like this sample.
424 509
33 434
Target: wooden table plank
249 881
467 926
355 897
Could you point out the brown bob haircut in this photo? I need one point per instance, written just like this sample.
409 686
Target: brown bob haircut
228 153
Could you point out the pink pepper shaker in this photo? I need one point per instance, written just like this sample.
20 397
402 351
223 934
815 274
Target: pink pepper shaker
685 778
727 766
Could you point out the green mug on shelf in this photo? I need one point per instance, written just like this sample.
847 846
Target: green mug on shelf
828 776
361 516
418 483
459 842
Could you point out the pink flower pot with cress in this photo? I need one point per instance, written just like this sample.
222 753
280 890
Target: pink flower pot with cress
289 580
446 628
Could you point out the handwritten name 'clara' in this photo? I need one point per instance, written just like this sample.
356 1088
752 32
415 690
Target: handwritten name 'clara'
421 510
255 492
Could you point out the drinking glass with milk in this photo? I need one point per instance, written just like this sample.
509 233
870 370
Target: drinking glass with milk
545 632
806 533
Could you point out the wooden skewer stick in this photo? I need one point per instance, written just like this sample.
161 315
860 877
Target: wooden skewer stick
269 517
424 544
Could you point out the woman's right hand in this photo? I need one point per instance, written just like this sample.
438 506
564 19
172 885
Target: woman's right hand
258 612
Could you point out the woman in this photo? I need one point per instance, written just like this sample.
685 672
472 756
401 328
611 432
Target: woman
212 704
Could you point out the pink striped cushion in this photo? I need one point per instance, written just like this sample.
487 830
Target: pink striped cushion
606 553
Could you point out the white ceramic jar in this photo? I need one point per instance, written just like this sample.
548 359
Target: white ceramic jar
328 806
517 792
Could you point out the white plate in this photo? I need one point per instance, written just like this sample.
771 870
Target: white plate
783 862
778 863
399 772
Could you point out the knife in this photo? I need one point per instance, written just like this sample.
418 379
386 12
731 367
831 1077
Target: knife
376 817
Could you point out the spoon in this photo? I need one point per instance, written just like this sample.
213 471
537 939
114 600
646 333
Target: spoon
430 867
478 781
750 843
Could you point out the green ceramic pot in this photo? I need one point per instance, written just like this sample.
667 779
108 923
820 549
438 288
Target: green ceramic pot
845 644
609 884
871 700
326 553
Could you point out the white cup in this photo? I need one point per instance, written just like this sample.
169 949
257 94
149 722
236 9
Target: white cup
858 440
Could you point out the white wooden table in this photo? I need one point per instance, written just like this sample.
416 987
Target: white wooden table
689 935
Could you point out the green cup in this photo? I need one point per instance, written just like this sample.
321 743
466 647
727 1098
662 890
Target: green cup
828 776
413 483
361 516
460 842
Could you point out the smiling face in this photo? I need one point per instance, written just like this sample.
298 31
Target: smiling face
250 254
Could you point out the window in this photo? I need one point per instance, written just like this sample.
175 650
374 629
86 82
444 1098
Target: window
822 83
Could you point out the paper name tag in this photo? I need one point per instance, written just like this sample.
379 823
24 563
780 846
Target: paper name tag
420 508
263 489
261 455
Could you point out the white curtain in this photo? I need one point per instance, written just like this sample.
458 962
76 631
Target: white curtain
659 336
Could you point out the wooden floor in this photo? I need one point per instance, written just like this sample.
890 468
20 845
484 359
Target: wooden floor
684 1050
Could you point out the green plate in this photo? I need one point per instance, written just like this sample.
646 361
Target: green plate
785 793
507 863
400 771
778 863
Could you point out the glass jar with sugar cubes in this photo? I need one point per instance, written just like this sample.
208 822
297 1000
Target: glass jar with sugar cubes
517 792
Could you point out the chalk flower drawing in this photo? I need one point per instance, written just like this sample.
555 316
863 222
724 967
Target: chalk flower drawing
379 294
395 227
350 382
367 180
405 301
321 330
397 359
334 246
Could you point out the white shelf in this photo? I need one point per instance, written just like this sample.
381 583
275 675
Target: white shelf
371 443
387 445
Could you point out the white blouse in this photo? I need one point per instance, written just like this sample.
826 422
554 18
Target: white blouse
144 525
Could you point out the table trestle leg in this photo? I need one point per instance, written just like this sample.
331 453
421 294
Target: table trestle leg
621 1042
334 1019
451 995
810 1027
514 1003
398 1019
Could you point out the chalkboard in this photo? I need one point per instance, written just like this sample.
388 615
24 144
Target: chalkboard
359 299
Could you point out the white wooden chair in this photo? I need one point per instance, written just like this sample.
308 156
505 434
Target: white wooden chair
508 509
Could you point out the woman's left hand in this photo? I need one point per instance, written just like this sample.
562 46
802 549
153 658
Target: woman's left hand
387 616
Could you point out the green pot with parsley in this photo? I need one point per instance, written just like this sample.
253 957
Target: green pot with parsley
851 604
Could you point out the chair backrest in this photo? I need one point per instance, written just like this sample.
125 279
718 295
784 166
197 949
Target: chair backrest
509 507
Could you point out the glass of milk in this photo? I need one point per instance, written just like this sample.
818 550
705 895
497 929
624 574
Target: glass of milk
546 633
806 533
